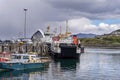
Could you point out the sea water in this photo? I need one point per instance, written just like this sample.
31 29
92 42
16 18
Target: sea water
94 64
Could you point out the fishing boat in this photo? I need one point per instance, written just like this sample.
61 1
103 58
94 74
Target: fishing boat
48 39
43 37
24 61
5 54
66 46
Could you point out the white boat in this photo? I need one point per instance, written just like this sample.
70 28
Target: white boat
65 48
44 38
66 45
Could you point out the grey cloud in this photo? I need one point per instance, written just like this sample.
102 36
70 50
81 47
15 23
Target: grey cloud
91 7
12 16
42 13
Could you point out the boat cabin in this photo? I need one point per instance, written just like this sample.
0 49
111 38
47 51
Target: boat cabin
22 57
4 56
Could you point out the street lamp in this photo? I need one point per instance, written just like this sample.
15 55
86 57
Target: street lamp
25 24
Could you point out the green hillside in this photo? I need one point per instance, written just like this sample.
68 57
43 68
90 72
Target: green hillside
108 40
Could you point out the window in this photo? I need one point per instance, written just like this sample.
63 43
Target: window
13 57
16 57
25 57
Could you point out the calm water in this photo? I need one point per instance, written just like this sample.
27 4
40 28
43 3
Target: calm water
94 64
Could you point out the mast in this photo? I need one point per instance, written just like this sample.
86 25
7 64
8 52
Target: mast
55 31
48 29
66 27
67 32
60 30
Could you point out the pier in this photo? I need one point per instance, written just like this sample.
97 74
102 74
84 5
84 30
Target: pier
24 45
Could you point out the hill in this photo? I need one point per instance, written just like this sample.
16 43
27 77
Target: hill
113 33
83 35
111 40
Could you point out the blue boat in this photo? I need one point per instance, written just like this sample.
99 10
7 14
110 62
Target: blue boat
24 61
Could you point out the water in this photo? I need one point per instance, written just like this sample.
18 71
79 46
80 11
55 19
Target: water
94 64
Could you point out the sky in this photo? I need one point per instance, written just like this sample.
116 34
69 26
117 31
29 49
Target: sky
84 16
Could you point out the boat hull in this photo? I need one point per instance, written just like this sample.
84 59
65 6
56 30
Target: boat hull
66 53
60 56
21 66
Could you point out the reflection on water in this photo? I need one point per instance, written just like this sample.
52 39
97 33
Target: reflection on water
102 64
94 64
56 70
21 74
63 69
67 64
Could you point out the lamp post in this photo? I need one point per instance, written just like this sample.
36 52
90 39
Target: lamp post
25 10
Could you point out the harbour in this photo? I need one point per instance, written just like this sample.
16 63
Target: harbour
95 64
50 57
37 51
59 40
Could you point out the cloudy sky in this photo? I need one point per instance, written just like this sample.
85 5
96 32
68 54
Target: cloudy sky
84 16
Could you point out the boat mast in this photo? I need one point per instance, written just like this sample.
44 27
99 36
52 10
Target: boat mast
60 30
67 32
48 29
66 27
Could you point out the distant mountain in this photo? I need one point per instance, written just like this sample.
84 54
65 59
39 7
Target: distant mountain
83 35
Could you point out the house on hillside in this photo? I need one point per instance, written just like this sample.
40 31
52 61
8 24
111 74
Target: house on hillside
114 33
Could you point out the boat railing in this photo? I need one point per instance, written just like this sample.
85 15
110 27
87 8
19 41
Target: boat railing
67 44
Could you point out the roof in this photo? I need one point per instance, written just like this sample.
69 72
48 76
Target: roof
38 34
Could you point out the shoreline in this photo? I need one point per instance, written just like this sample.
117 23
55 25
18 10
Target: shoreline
102 47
